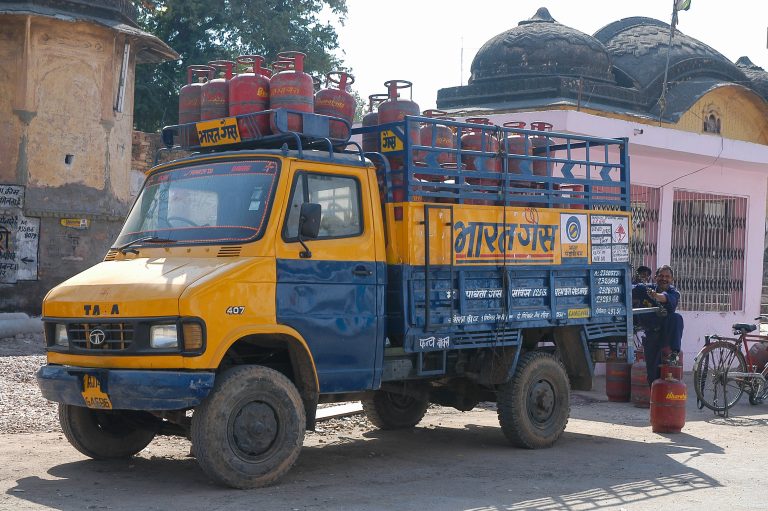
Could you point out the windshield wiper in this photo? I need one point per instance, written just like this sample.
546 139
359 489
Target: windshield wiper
124 249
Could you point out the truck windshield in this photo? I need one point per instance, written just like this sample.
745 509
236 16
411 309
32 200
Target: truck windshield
222 202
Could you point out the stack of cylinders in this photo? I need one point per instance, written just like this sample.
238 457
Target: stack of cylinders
214 102
481 139
249 93
291 88
640 392
337 102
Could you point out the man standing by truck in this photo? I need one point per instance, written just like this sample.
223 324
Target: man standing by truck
664 328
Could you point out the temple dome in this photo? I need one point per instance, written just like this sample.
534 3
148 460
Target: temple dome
757 76
540 46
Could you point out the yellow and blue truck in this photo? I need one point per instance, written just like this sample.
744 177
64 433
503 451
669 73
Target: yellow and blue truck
256 279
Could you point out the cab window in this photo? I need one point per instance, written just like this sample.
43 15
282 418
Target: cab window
339 199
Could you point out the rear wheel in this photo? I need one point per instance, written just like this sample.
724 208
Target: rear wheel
533 407
389 410
106 434
715 386
249 430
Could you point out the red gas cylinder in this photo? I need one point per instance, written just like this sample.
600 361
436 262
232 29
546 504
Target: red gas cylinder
291 88
758 355
190 94
540 145
668 397
214 102
337 102
249 93
438 136
372 141
395 109
481 138
617 381
639 390
676 369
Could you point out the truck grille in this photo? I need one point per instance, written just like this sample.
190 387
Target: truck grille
101 336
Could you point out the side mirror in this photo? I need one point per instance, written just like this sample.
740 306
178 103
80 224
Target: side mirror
309 220
309 225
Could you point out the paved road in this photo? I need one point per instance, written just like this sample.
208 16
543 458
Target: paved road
607 459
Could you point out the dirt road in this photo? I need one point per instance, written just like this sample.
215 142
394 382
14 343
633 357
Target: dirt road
607 459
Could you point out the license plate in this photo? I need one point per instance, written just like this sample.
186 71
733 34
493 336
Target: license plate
218 132
93 395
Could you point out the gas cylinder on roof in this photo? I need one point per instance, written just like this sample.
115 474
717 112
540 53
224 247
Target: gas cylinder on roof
337 102
190 94
249 93
214 102
668 397
480 137
372 141
291 88
434 134
394 109
541 147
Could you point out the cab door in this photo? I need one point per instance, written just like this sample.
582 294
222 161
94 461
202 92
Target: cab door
334 298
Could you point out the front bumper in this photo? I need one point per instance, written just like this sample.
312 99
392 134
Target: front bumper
127 389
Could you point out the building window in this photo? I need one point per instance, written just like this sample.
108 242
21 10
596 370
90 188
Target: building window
712 123
645 202
708 249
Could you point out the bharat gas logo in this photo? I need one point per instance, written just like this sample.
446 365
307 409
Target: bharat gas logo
671 396
573 229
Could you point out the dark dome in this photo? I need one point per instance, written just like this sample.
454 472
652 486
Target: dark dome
638 49
541 46
756 74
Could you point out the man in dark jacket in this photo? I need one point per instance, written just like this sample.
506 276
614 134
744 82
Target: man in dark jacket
664 328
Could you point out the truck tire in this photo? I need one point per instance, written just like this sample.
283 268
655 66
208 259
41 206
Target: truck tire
106 434
533 407
249 431
388 410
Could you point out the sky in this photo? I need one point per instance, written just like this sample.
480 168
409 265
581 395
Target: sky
423 41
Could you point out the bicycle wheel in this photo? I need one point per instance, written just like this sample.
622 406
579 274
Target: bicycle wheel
715 388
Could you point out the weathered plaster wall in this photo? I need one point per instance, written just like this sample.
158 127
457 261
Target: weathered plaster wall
743 114
65 145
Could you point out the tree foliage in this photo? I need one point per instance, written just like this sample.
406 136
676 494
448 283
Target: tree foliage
205 30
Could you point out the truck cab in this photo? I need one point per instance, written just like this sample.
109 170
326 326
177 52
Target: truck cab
252 281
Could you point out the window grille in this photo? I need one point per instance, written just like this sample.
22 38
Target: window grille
645 225
708 249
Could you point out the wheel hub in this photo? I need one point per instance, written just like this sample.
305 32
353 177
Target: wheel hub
541 401
255 428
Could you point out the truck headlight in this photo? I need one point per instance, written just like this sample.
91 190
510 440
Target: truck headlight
61 338
163 336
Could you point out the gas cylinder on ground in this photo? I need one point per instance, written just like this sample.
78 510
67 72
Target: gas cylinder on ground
249 93
214 102
639 390
617 380
668 397
291 88
439 136
190 95
758 355
676 369
395 109
372 141
337 102
541 147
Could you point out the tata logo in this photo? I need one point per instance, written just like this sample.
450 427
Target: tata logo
573 229
95 309
97 337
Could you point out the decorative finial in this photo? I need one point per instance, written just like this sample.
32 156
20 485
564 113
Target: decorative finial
541 16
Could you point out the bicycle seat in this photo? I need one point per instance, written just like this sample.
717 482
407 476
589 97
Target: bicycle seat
744 327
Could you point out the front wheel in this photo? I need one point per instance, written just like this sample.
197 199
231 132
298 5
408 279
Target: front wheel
249 430
389 410
713 367
533 407
106 434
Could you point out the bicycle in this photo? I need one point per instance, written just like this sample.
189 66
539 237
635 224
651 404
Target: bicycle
723 370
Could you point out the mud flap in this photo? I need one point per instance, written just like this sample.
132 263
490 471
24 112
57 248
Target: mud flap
575 356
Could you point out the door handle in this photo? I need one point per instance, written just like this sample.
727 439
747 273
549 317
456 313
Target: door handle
362 271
